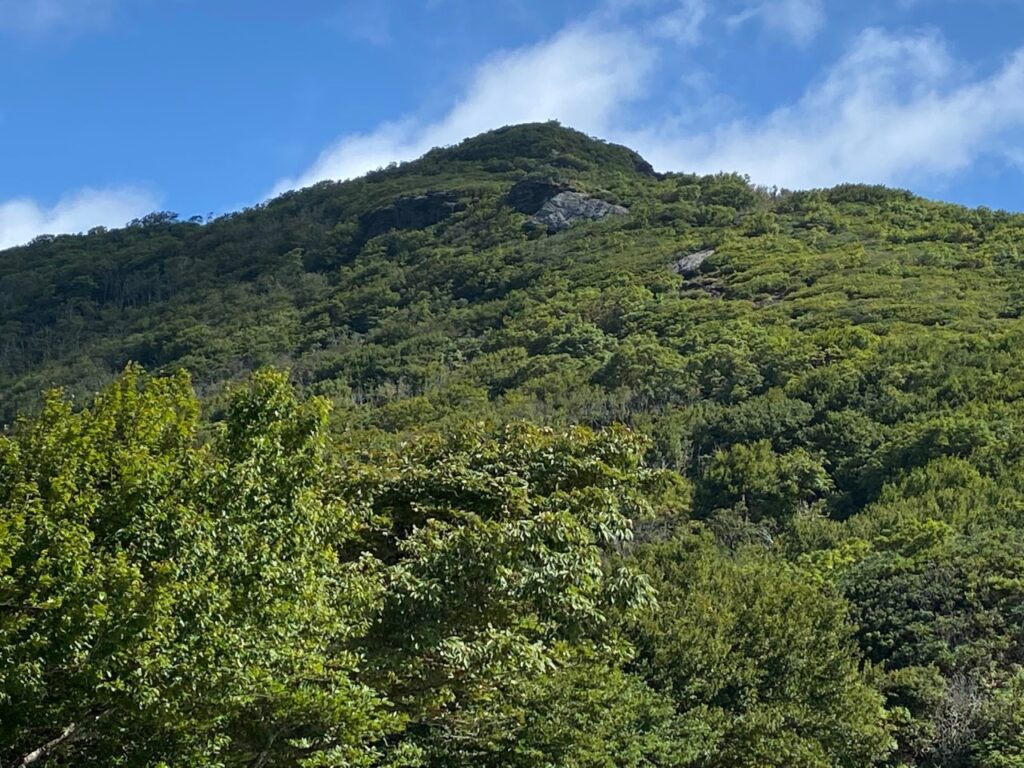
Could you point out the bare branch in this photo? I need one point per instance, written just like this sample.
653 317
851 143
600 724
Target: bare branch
48 747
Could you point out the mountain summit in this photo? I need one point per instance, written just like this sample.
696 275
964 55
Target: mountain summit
544 143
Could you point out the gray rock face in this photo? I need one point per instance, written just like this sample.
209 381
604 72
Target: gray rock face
529 195
690 263
566 208
411 213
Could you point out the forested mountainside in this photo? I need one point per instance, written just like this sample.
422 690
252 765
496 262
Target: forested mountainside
574 464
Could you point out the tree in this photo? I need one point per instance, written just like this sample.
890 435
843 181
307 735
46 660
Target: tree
586 714
260 599
766 486
165 601
759 657
1002 745
493 552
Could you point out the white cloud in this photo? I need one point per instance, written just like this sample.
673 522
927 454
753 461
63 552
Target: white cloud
890 111
800 20
683 23
36 16
581 77
893 109
22 219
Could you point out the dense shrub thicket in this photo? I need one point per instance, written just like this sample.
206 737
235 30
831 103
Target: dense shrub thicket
770 512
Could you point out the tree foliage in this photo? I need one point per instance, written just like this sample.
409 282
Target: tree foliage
409 552
257 598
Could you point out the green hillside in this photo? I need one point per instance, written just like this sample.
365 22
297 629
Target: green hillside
806 548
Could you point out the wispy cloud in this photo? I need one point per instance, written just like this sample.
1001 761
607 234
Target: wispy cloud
800 20
23 219
582 77
891 110
683 23
586 76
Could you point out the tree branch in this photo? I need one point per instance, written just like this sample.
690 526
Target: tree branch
71 733
48 747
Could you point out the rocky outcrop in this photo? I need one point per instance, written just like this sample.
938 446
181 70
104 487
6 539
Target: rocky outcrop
690 263
529 195
411 213
567 208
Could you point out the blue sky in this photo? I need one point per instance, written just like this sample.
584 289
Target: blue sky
112 108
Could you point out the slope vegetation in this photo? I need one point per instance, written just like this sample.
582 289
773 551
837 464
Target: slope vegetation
828 385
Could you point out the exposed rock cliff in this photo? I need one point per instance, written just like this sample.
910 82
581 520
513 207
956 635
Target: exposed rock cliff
567 208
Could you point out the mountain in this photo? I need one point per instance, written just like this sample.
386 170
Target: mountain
829 383
314 279
466 301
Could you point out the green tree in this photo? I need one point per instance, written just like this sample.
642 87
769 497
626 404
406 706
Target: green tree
762 484
494 559
1002 742
258 598
168 602
761 658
